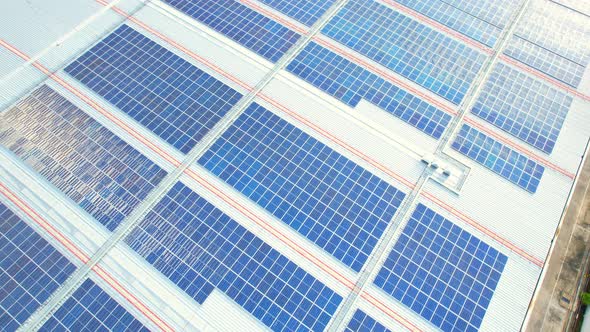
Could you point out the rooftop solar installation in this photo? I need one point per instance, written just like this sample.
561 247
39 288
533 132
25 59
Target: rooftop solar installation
321 194
499 158
407 47
242 24
304 11
200 249
482 21
523 106
165 93
363 322
31 269
92 166
90 308
290 165
350 83
442 272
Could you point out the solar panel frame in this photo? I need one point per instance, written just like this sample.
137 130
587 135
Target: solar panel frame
166 94
200 248
318 192
96 169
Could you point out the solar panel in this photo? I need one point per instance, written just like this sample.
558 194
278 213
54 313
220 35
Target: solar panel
30 270
321 194
200 248
350 83
304 11
173 98
407 47
245 26
554 44
523 106
480 20
96 169
575 5
442 272
91 309
365 323
499 158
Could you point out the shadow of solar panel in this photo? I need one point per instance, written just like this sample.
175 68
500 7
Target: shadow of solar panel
304 11
442 272
523 106
245 26
499 158
482 21
96 169
361 322
30 270
350 83
91 309
200 248
321 194
421 54
173 98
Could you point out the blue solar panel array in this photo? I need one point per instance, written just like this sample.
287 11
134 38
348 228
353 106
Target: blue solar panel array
350 83
91 309
523 106
554 41
442 272
361 322
245 26
200 248
407 47
482 21
499 158
171 97
321 194
96 169
304 11
30 270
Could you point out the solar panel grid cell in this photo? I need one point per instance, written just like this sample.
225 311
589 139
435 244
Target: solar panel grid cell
30 270
245 26
321 194
361 322
350 83
165 93
499 158
304 11
96 169
92 309
407 47
442 272
199 248
523 106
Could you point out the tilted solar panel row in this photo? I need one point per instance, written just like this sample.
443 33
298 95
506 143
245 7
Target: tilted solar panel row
350 83
558 45
92 166
361 322
242 24
423 55
176 100
304 11
499 158
31 269
523 106
90 308
323 195
482 21
442 272
200 249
